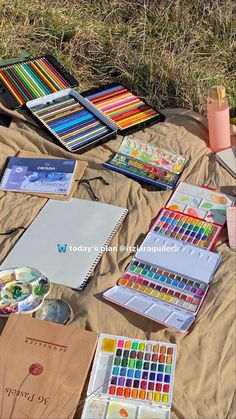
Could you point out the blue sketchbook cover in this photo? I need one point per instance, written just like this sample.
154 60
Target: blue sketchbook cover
38 175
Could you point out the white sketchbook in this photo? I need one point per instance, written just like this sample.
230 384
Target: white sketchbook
66 240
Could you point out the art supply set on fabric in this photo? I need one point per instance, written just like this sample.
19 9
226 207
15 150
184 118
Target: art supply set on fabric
130 378
145 162
168 278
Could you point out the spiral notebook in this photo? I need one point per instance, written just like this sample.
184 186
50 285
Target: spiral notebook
66 240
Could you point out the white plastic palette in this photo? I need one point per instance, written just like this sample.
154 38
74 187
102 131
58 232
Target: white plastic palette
166 282
131 378
200 202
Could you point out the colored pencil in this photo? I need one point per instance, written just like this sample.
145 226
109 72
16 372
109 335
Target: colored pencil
122 106
32 79
71 122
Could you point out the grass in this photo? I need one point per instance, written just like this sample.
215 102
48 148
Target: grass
169 51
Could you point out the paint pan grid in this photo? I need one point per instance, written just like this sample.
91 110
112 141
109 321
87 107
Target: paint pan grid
144 170
165 286
141 370
188 229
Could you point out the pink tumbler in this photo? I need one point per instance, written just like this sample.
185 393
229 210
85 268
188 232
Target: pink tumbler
218 119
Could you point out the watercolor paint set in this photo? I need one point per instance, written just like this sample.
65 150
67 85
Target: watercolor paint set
200 202
130 378
31 79
187 228
169 277
167 281
194 215
147 163
129 112
71 119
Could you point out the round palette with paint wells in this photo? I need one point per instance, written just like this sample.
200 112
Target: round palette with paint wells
22 290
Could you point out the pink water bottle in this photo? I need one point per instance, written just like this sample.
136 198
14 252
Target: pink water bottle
218 119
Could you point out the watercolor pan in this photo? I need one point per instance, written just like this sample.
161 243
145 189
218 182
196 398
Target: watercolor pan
167 281
144 162
129 112
130 378
31 79
150 154
187 228
142 171
200 202
72 120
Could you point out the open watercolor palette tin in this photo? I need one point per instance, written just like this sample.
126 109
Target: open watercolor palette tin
131 378
145 162
31 79
166 281
71 119
22 290
129 112
194 214
169 277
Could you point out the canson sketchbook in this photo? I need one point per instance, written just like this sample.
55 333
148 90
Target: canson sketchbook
66 240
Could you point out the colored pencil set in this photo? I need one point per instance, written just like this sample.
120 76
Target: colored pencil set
32 79
124 108
75 120
72 123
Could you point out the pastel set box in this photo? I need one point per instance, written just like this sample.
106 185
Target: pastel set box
124 108
169 277
130 378
144 162
31 79
71 119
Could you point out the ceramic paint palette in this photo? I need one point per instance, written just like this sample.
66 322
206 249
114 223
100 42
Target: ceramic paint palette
22 290
187 228
200 202
131 378
144 162
167 281
72 120
125 109
30 79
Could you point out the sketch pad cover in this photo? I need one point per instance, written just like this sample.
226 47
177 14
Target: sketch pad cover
61 227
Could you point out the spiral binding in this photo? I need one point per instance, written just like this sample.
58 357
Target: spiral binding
91 270
5 174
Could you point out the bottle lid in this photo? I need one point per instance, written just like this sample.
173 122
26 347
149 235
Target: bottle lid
217 93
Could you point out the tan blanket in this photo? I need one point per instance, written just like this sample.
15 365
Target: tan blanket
205 375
